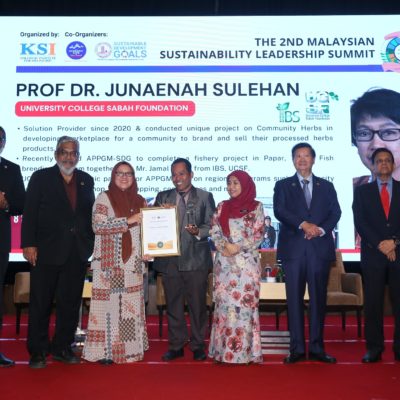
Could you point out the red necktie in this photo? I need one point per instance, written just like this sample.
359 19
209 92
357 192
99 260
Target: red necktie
385 199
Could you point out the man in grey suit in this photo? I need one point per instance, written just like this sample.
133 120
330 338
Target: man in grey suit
185 277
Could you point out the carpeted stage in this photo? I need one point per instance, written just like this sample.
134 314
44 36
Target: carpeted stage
190 380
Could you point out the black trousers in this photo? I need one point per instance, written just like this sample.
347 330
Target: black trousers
375 276
64 283
3 269
190 286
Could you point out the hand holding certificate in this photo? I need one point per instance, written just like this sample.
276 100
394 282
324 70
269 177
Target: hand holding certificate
160 234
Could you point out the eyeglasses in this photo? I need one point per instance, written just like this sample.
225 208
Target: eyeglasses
387 135
127 174
65 153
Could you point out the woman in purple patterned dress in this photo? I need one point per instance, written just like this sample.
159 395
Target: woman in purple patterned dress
237 231
117 327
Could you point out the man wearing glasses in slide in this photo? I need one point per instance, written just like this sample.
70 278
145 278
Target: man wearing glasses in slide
375 123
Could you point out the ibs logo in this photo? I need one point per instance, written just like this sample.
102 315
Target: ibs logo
318 104
76 50
285 115
42 52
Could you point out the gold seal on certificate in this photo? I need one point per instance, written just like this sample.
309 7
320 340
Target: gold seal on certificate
160 235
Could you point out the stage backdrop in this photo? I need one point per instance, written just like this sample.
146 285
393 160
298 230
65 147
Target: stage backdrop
224 92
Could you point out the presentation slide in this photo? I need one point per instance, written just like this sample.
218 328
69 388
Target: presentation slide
224 92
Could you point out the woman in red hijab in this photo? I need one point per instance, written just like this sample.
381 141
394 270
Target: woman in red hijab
117 328
237 231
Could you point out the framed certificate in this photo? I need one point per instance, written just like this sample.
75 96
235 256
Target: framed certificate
160 234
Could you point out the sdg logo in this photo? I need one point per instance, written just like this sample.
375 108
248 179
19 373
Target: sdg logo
76 50
391 52
285 115
37 49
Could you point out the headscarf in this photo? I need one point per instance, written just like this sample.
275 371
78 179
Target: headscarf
241 205
125 203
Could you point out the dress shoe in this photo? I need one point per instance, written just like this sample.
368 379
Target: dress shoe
371 357
5 362
172 354
199 355
66 356
294 358
322 357
106 361
37 361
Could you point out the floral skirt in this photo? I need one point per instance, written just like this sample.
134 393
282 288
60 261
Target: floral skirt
235 335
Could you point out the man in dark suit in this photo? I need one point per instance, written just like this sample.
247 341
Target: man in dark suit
376 210
308 210
57 240
12 195
185 277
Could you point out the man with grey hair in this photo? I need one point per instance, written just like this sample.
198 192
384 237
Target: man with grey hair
12 194
57 240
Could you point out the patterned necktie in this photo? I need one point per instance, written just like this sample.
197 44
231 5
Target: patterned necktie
385 199
306 192
181 208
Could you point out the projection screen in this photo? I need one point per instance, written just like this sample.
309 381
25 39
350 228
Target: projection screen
225 92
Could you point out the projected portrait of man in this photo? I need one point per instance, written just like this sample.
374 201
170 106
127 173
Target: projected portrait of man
375 123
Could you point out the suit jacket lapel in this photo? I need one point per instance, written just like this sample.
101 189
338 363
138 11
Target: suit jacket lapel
3 173
376 199
59 187
171 197
395 197
298 190
193 196
315 195
80 188
295 184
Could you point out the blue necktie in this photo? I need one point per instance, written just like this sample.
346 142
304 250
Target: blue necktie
306 192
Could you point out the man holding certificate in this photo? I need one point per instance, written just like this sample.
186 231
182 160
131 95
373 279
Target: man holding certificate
185 276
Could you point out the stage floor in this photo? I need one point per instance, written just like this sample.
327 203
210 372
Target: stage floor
343 344
184 378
